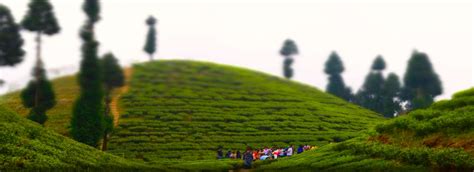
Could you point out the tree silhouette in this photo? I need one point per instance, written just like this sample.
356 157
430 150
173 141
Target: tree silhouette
371 94
11 41
422 84
87 124
336 85
391 96
287 51
113 77
38 95
150 45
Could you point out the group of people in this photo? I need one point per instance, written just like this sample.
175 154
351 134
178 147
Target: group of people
262 154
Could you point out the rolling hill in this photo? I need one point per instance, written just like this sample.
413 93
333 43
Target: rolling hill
59 116
27 145
440 138
185 110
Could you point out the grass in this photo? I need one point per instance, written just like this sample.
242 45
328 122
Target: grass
439 138
184 110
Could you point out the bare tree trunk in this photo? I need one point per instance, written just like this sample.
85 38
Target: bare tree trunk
108 99
104 141
38 65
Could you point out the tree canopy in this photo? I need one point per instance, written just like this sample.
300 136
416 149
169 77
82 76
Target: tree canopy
11 42
289 48
87 124
150 44
391 96
422 84
336 85
38 95
40 18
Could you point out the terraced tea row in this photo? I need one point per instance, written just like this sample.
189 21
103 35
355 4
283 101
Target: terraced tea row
440 138
185 110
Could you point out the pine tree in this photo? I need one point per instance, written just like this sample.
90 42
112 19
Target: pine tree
336 85
287 51
38 95
391 96
87 124
150 45
371 94
113 77
11 41
422 84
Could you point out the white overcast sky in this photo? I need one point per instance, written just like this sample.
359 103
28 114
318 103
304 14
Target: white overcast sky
249 33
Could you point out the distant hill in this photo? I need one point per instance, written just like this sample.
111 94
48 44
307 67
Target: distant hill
440 138
185 110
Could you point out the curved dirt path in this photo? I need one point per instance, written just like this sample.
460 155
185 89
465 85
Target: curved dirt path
114 107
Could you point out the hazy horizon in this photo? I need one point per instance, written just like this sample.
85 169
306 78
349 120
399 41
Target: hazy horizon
251 34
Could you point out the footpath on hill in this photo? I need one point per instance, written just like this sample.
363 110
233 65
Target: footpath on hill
119 92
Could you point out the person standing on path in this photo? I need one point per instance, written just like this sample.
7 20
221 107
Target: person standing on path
289 152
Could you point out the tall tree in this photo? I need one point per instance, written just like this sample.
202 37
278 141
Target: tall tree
39 18
288 50
11 42
113 77
422 84
371 94
391 96
150 45
336 85
38 95
87 124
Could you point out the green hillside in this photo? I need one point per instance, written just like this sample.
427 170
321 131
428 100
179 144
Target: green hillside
184 110
27 145
66 90
438 138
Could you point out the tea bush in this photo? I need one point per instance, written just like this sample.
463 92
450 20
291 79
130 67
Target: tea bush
184 110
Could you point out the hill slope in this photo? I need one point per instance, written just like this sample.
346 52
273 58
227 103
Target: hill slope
438 138
59 116
184 110
27 145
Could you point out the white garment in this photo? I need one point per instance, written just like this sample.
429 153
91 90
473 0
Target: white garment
289 152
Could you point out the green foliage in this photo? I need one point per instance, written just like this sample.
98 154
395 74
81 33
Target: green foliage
287 70
113 76
371 94
391 96
40 18
150 45
25 145
465 93
87 124
336 85
92 10
183 110
288 50
38 95
10 39
435 139
422 84
334 65
379 64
